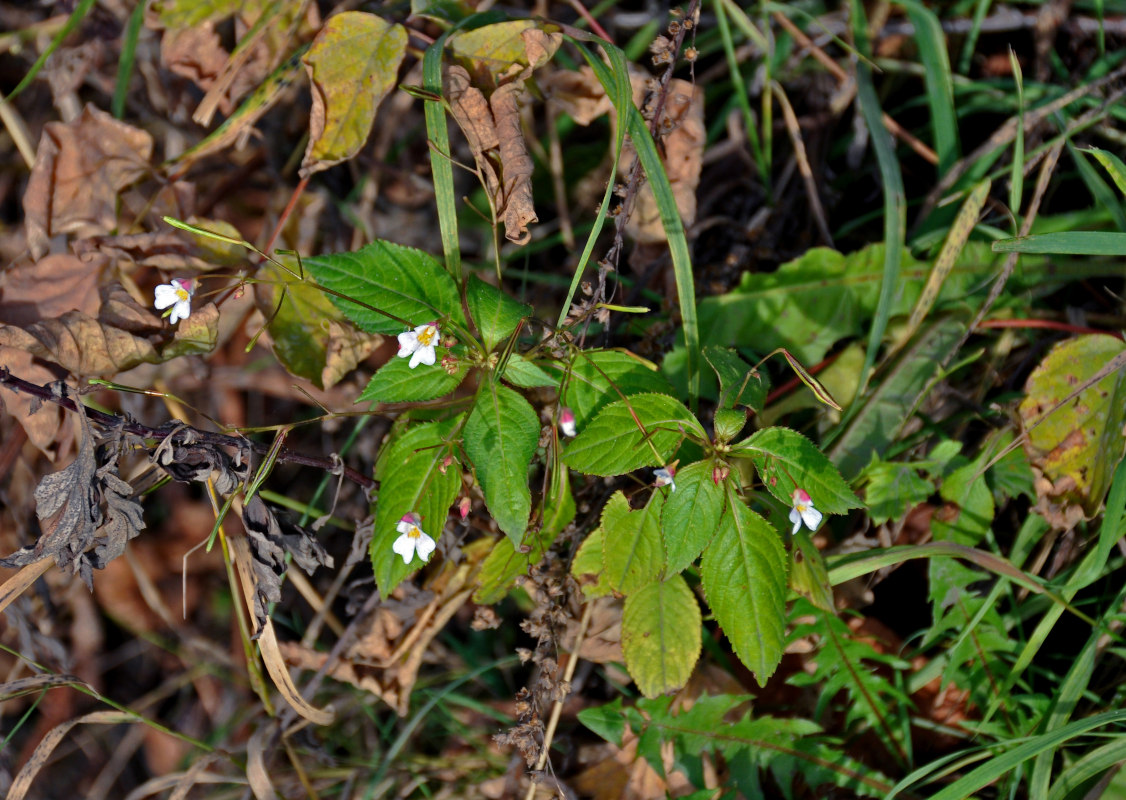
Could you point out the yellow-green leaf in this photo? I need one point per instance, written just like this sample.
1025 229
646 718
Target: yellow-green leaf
661 636
1078 444
353 64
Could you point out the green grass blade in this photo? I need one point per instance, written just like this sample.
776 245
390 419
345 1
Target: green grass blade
620 92
73 21
125 63
1016 180
1000 765
980 12
740 92
1112 164
939 81
895 199
1102 193
1086 769
441 167
1073 243
670 218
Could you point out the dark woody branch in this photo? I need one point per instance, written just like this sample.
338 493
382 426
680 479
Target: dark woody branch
103 419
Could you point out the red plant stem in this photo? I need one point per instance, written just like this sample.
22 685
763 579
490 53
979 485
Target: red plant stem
1048 324
145 432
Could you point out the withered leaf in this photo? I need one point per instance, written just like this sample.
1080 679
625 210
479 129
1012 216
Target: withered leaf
50 287
79 169
269 545
346 348
76 531
81 345
191 460
518 207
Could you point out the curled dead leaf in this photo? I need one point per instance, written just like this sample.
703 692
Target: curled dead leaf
79 169
80 344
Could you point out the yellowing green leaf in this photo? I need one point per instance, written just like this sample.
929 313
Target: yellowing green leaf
661 636
353 64
1076 446
631 548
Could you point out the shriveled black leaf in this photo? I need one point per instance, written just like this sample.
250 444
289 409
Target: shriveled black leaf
268 545
124 520
77 531
189 460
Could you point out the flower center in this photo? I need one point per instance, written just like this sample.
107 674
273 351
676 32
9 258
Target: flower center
414 532
427 336
182 295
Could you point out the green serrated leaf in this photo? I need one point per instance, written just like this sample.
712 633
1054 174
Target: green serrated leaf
413 477
661 636
588 566
606 720
892 489
504 563
614 443
409 285
744 576
353 64
495 314
809 577
521 372
631 545
740 385
691 515
396 382
599 377
787 460
500 438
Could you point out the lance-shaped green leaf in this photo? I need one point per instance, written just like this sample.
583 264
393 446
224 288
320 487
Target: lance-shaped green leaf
640 431
396 382
353 64
500 438
495 314
385 287
600 377
739 383
744 577
521 372
691 515
661 636
631 544
505 562
413 477
786 460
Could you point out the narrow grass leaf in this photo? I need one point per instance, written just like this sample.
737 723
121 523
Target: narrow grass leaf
1016 175
951 249
938 79
1112 164
1075 243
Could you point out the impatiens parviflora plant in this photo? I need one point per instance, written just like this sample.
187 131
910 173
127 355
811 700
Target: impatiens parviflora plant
700 512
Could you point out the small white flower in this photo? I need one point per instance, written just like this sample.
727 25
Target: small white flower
567 422
664 477
178 295
419 344
803 511
412 540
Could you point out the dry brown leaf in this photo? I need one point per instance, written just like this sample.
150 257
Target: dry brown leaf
682 152
517 204
79 169
120 310
471 110
619 773
603 641
196 54
54 737
40 421
257 773
581 96
80 344
59 283
578 94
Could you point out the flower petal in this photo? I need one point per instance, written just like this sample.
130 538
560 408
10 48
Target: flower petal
424 355
405 546
165 295
408 343
811 517
795 517
424 546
